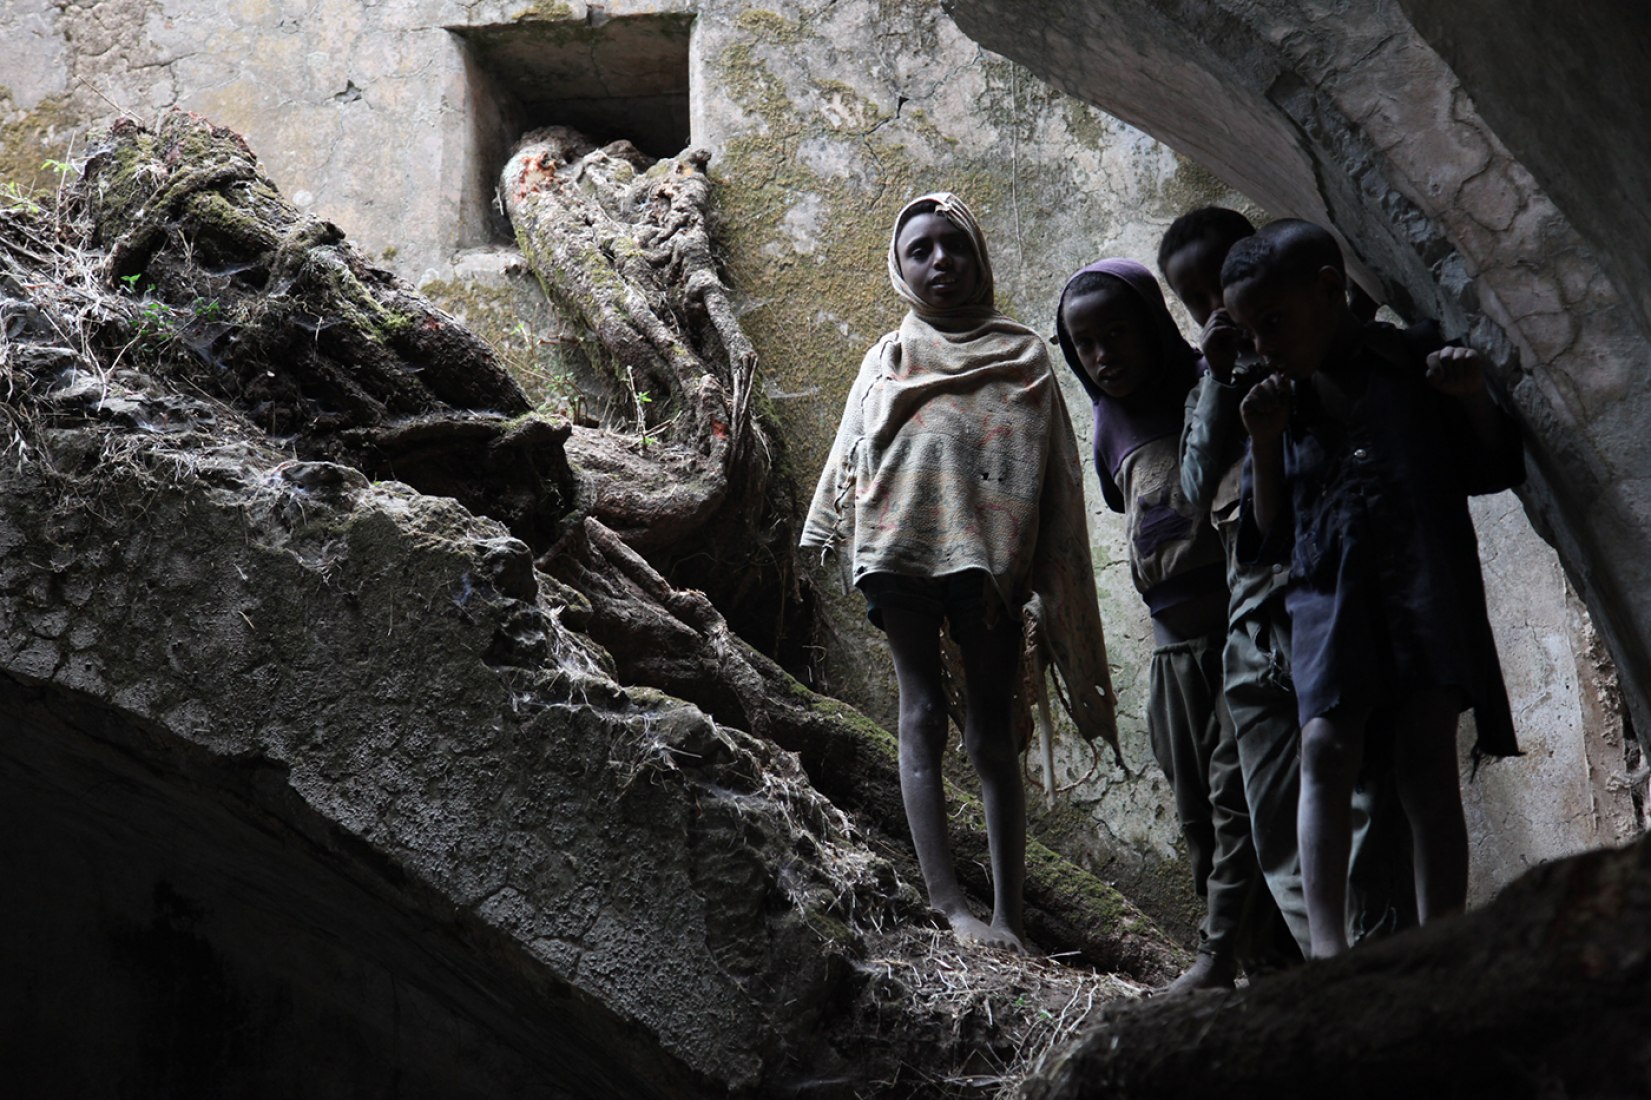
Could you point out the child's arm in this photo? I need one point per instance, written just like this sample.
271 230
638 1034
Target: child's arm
1266 413
823 520
1494 457
1207 445
1221 340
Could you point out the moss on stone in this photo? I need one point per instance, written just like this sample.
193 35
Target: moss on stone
542 11
771 25
875 738
1086 125
214 213
528 336
121 186
1193 185
33 137
1103 905
357 306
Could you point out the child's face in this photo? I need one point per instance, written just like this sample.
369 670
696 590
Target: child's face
1111 338
937 260
1194 275
1293 325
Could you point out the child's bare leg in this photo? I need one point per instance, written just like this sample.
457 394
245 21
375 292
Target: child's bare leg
914 641
1331 749
1430 790
990 665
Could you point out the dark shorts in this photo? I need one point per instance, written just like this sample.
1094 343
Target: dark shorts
965 600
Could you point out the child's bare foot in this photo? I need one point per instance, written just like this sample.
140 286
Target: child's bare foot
1208 972
970 929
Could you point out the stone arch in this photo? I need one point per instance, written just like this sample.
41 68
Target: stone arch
1488 202
185 922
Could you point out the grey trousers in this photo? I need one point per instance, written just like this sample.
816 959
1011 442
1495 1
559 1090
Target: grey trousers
1381 884
1192 739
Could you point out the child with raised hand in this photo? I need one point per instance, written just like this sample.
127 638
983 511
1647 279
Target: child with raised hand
1120 340
1255 658
1256 661
953 495
1363 458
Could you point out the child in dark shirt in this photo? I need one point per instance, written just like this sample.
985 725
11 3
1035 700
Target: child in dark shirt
1363 458
1256 660
1120 340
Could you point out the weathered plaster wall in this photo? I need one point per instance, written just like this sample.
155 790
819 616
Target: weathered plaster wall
823 118
1569 792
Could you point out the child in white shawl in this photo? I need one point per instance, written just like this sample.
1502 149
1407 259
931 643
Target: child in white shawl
953 494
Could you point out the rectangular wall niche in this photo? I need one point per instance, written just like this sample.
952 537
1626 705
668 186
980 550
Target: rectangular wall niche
624 77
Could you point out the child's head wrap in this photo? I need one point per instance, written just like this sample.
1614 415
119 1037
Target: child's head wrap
954 210
1175 371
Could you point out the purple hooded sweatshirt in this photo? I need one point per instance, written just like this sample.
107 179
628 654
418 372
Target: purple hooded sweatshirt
1154 412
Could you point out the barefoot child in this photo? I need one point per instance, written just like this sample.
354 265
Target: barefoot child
1363 457
1256 658
1122 343
952 494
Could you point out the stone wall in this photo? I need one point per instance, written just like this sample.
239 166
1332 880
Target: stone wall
822 118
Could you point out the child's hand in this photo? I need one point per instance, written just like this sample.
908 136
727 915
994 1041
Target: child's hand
1458 372
1266 408
1222 340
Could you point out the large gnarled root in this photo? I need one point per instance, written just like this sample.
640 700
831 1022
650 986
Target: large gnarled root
275 313
675 640
681 467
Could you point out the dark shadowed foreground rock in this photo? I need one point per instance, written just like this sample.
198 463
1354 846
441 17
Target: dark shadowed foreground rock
1541 994
317 784
241 705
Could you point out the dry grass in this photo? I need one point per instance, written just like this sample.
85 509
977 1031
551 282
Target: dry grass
1003 1012
77 347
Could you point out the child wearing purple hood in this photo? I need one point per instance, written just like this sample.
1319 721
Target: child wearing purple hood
1120 340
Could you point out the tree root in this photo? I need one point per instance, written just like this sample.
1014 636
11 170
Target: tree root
675 640
683 469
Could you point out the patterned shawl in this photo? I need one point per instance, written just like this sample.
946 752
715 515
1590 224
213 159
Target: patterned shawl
955 451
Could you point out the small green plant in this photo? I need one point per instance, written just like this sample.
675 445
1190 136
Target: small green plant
551 384
63 168
14 198
158 322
